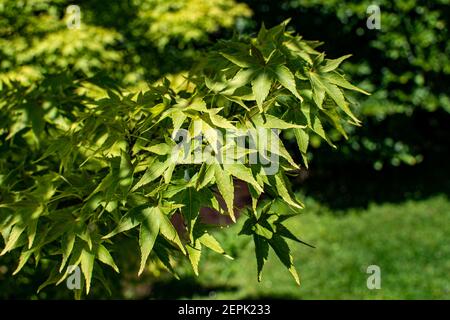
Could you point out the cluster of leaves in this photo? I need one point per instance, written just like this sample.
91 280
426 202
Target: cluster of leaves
106 170
407 61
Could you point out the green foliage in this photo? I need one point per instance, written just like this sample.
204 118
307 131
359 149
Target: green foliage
187 20
34 41
128 40
411 49
406 64
103 170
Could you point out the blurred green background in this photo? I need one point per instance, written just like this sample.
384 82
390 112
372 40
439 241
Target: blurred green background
381 198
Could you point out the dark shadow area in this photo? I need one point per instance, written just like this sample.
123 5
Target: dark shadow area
266 297
342 180
314 23
185 288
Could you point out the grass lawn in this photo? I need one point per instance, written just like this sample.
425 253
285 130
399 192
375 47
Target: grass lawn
408 241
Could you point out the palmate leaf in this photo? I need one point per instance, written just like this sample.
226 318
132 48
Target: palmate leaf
67 244
148 233
53 278
334 92
284 232
225 185
334 118
340 81
193 201
31 231
219 121
317 127
152 221
332 64
239 80
167 175
13 238
302 139
129 221
262 253
298 48
26 253
156 222
210 242
255 195
205 176
168 231
85 256
311 114
240 171
104 256
283 210
261 87
242 60
263 230
281 185
283 252
24 256
281 150
272 144
194 254
267 230
201 238
318 90
125 173
87 266
22 228
271 122
100 276
215 86
163 255
156 168
286 78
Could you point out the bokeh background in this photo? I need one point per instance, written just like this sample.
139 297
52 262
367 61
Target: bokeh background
380 198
